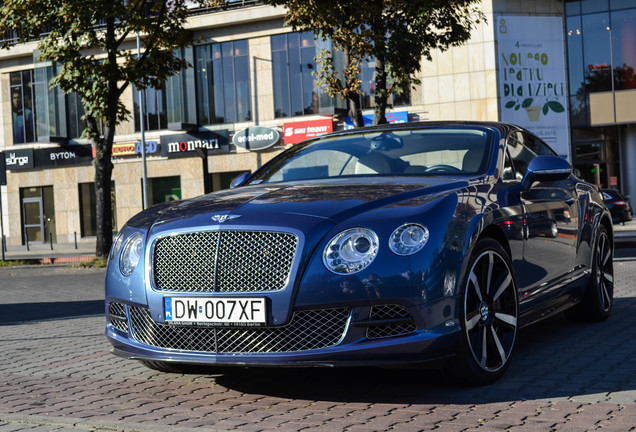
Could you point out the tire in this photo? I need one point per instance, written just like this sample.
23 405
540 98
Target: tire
179 368
597 300
489 314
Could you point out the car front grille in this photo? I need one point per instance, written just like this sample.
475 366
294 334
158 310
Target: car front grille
307 330
223 261
390 312
117 316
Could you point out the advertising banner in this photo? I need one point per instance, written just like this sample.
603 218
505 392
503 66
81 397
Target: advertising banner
533 89
391 118
255 138
187 144
300 131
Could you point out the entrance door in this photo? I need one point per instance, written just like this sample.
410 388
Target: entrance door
33 220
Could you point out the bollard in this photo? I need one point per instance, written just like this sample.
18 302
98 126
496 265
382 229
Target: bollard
26 235
4 245
75 234
51 240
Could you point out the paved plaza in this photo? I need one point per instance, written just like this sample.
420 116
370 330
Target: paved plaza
58 374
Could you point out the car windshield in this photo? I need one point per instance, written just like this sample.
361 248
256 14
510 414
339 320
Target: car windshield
398 152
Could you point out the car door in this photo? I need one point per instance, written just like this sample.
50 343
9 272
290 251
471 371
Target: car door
550 223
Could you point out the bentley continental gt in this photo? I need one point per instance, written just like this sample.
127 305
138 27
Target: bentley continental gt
388 245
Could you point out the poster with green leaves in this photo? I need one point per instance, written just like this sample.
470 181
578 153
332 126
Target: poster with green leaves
532 79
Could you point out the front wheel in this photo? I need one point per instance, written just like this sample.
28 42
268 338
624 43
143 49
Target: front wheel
489 316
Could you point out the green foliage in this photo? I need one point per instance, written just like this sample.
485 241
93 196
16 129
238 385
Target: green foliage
94 43
397 33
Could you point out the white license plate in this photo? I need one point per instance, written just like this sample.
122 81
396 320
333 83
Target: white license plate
215 311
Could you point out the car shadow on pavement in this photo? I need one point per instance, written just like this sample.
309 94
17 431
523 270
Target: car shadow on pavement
26 312
555 358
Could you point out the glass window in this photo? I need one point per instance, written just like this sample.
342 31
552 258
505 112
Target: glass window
156 113
163 189
222 82
578 99
624 49
295 91
22 106
572 7
589 6
367 76
75 112
596 48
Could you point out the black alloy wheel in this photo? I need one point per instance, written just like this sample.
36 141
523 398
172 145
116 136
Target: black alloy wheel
489 316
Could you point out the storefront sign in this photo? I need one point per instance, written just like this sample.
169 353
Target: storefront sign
19 159
63 156
256 138
134 148
187 144
532 77
391 118
301 131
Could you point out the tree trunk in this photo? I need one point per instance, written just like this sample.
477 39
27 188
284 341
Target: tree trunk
381 92
103 210
353 98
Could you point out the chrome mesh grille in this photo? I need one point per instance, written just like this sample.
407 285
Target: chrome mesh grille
117 315
223 261
389 312
308 330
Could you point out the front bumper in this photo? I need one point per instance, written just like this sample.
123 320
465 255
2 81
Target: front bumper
313 338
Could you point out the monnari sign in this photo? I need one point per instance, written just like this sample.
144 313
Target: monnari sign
256 138
300 131
187 144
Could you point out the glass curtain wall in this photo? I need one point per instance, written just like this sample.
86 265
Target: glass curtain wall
222 75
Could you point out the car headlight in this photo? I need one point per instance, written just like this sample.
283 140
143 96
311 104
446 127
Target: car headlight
350 251
131 254
119 240
408 239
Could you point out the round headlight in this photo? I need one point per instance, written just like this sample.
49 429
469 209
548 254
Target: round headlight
350 251
131 254
119 240
408 239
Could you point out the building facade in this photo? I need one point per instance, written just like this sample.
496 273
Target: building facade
252 72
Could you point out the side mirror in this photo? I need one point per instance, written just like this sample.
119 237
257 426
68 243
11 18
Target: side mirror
546 168
239 180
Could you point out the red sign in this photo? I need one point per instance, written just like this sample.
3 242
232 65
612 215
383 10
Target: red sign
300 131
613 181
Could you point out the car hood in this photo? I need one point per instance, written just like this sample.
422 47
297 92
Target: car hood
274 203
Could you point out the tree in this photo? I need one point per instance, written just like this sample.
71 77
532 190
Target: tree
93 42
396 33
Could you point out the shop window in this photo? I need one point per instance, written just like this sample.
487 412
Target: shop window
155 112
163 189
88 205
223 83
22 106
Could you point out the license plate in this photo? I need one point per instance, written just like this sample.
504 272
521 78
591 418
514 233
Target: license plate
247 312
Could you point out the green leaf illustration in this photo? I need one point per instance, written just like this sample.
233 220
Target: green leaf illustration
526 102
510 104
545 109
556 106
517 107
